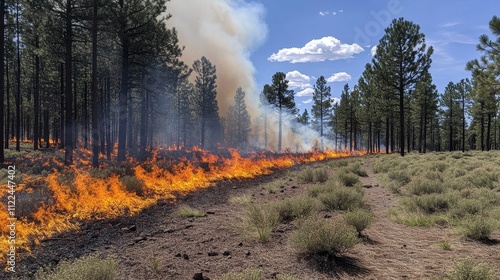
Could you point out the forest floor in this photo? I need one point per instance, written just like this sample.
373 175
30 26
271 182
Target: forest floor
156 244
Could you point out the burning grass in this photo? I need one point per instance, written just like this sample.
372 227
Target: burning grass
73 194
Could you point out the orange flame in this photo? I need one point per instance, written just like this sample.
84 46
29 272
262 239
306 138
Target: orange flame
76 195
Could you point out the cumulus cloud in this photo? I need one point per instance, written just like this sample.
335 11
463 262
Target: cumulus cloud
298 80
326 48
339 77
334 13
324 13
308 101
373 51
305 92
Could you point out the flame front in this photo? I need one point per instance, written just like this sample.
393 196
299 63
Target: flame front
81 196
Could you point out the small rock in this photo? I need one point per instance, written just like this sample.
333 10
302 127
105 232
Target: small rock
188 226
291 179
139 239
213 254
210 212
234 188
282 191
185 256
247 253
168 230
327 216
240 244
124 229
131 243
198 276
178 255
274 274
367 186
293 187
226 253
132 228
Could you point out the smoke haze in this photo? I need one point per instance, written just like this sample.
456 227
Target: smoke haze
226 32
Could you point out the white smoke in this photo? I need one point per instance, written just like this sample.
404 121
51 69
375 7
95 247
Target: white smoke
226 32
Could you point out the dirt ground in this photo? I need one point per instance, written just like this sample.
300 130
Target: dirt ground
158 245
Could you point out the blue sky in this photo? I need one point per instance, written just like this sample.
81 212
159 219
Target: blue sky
346 31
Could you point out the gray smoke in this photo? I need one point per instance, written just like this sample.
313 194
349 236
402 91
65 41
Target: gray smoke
226 32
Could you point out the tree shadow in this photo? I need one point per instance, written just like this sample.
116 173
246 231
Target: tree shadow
367 240
489 241
337 265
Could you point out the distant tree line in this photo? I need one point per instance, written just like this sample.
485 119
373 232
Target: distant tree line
106 74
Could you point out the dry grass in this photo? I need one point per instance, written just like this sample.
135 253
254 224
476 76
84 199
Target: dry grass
187 211
85 268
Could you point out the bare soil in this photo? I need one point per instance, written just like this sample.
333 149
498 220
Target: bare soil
158 245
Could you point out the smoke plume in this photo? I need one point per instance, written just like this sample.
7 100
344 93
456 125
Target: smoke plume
226 32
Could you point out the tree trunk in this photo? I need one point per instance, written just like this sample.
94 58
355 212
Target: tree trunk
36 99
68 155
401 117
2 97
18 77
123 98
46 131
488 133
95 105
387 135
7 75
61 114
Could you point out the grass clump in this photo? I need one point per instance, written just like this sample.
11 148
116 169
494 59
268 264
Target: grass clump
348 179
421 185
85 268
247 274
295 207
413 219
445 245
356 168
400 176
428 203
468 270
317 236
477 227
134 185
306 176
259 220
342 198
360 219
320 175
188 212
241 200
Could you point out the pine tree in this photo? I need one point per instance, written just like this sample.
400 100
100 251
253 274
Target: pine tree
281 98
206 90
321 108
401 58
304 118
238 121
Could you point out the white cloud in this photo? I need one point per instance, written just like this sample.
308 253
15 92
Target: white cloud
339 77
326 48
324 13
373 51
450 24
335 100
341 11
305 92
298 80
334 13
308 101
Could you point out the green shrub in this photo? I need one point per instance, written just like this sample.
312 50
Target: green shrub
357 169
319 236
360 219
477 227
316 190
320 175
347 178
259 220
468 270
445 245
465 207
399 176
134 185
428 203
421 185
295 207
413 219
342 198
85 268
187 211
247 274
306 176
